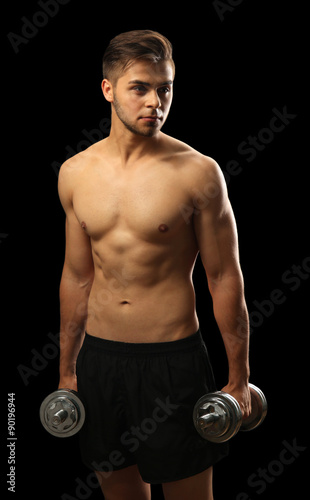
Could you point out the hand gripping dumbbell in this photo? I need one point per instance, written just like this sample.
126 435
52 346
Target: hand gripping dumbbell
217 416
62 413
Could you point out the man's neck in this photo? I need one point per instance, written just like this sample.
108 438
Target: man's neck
131 147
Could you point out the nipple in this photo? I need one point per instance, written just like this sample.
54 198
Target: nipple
83 225
163 228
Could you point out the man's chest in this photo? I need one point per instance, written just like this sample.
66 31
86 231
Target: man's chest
149 205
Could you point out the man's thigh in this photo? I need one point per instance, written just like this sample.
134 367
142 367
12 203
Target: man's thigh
124 484
198 486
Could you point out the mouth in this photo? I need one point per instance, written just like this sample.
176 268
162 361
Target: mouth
150 119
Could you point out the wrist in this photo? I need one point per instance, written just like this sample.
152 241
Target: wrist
68 382
67 371
239 379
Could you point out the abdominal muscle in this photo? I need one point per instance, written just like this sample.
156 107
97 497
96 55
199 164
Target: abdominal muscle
124 310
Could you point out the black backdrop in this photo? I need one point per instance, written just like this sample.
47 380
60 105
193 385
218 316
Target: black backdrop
238 98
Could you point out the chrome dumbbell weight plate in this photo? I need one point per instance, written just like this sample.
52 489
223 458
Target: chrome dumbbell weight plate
217 417
62 413
259 409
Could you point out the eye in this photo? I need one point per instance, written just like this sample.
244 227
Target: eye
139 88
164 90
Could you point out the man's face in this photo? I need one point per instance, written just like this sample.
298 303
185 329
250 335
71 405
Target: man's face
142 97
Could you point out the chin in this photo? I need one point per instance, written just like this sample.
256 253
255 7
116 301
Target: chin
147 131
153 128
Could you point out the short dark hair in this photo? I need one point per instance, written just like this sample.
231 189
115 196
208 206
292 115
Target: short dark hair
126 48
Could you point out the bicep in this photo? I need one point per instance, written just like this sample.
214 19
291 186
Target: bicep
78 253
216 234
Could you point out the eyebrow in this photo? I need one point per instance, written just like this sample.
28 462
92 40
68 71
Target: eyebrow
140 82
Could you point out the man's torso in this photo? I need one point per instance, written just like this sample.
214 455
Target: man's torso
143 242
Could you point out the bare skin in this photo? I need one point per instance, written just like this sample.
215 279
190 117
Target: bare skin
139 207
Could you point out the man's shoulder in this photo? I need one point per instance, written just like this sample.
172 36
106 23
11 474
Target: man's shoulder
75 171
81 161
192 161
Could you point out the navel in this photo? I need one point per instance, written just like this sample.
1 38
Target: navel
163 228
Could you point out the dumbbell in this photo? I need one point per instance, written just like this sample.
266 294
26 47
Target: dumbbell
62 413
217 416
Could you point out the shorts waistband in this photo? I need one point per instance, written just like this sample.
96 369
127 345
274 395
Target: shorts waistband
193 342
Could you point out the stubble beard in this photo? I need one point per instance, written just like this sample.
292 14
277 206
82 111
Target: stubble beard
150 130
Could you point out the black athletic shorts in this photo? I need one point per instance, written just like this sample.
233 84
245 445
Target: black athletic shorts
139 401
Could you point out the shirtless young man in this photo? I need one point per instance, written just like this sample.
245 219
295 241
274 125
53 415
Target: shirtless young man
139 207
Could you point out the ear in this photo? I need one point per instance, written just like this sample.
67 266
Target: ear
107 90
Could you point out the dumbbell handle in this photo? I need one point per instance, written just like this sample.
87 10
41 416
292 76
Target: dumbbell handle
59 417
206 420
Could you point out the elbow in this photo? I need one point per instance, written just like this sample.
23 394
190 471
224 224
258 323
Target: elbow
86 283
232 280
83 281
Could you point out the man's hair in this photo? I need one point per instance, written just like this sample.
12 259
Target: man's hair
126 48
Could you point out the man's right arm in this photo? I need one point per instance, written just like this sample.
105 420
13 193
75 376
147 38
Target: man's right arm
76 281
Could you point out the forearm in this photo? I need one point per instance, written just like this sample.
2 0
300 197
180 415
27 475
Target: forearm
231 315
73 314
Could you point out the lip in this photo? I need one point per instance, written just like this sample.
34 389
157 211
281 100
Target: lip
150 118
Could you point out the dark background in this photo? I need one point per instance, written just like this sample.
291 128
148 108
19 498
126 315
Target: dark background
234 68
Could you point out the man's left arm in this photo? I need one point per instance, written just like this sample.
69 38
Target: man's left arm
217 239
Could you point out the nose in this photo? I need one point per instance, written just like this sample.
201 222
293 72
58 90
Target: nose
153 100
